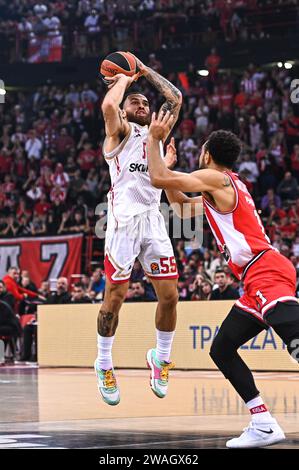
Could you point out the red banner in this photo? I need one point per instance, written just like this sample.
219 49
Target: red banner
47 49
44 257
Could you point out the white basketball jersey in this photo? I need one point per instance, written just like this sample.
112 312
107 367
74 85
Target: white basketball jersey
131 191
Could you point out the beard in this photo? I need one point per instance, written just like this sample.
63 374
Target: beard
142 120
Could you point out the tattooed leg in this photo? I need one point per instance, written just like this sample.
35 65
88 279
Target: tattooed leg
107 323
108 315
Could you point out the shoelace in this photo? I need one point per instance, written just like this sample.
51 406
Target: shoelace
109 381
165 371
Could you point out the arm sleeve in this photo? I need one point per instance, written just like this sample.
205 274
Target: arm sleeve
30 293
13 289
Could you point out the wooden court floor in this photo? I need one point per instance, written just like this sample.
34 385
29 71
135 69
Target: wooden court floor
61 408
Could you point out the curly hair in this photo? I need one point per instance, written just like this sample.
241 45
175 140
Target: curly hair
224 148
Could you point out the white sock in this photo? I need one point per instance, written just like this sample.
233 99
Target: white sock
104 358
164 343
258 410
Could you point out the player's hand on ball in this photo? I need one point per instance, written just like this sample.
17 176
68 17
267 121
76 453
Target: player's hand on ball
111 81
161 125
171 155
141 68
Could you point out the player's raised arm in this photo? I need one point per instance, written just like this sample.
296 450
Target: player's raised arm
171 93
184 206
115 124
162 177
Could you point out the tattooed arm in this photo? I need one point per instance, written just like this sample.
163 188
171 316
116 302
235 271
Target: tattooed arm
172 94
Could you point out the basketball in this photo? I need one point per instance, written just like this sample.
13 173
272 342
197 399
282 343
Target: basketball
118 62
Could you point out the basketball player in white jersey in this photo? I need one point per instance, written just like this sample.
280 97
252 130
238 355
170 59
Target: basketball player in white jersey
269 278
135 228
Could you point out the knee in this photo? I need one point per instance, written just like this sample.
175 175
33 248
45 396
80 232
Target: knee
222 349
169 298
215 350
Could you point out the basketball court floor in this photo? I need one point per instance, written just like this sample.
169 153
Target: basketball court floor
60 408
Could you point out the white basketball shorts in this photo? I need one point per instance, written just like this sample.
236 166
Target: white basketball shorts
145 238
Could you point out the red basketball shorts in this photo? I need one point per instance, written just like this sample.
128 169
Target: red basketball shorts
271 279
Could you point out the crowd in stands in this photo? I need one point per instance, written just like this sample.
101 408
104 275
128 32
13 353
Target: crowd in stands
87 26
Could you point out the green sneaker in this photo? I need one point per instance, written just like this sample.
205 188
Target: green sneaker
159 373
107 385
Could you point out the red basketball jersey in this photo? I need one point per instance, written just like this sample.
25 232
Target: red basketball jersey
240 234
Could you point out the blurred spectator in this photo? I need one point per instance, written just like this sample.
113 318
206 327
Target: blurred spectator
26 281
270 198
149 291
10 327
288 187
61 295
6 296
224 291
250 168
206 289
97 283
60 178
72 223
11 283
92 26
136 292
44 289
212 63
64 143
79 295
33 146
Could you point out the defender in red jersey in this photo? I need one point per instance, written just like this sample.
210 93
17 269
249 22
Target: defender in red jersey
269 278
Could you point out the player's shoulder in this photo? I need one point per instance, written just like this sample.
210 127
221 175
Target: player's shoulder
216 179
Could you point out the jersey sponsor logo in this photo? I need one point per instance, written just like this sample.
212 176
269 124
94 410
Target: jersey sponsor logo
140 167
155 268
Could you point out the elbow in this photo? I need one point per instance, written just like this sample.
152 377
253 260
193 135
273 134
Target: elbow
108 104
156 182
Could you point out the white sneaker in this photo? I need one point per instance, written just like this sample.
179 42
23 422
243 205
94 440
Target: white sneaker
258 435
107 385
159 373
